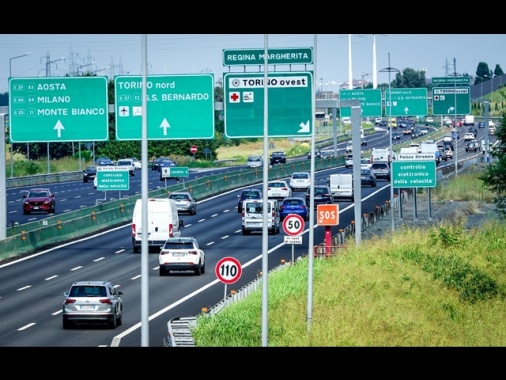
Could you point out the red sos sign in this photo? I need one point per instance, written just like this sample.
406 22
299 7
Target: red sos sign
327 215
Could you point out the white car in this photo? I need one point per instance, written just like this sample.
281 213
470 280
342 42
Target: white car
182 254
278 189
348 161
469 136
137 163
300 181
254 161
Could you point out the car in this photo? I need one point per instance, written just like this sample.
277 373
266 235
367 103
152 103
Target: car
424 131
481 124
137 163
377 120
92 302
294 205
363 142
346 120
278 189
349 148
348 161
492 129
104 161
473 130
381 170
447 138
166 163
317 155
185 202
322 195
89 173
127 163
156 161
278 158
325 154
365 162
442 154
181 254
383 123
254 161
39 200
472 145
396 136
300 181
367 177
248 194
448 152
429 120
468 136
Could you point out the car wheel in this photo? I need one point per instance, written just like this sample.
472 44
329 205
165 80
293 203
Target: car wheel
26 212
161 272
198 270
203 268
120 319
136 249
85 180
114 322
66 324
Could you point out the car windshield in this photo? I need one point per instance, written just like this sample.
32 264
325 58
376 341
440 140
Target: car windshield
300 176
35 194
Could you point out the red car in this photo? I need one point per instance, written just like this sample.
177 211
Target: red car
39 200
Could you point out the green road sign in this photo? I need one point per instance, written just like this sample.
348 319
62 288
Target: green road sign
175 172
452 80
243 57
407 102
370 101
58 109
408 174
290 105
445 99
178 107
112 178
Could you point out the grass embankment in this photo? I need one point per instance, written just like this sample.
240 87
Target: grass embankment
431 287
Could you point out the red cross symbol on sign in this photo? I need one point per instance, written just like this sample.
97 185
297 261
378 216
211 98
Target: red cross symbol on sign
234 96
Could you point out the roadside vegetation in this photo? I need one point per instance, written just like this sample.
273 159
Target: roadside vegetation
432 287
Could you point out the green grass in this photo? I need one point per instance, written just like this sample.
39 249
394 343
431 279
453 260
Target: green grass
429 287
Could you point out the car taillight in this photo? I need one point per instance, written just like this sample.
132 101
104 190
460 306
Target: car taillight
171 231
134 229
105 300
193 252
69 301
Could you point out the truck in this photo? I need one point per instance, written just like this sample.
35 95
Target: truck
341 186
468 120
381 154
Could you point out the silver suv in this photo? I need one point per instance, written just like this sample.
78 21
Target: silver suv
381 170
92 302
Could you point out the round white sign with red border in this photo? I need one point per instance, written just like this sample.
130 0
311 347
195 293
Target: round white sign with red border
293 224
228 270
193 149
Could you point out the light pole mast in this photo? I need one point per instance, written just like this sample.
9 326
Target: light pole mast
389 70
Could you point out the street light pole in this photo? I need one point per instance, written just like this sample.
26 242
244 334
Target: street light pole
10 75
389 70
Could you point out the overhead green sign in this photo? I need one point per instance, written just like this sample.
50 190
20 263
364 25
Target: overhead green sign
289 109
451 101
113 178
243 57
178 107
58 109
451 80
406 102
409 174
370 101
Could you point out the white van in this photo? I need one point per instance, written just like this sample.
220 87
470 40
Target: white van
341 186
253 218
163 222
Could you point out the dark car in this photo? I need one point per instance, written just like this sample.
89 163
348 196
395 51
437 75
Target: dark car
322 195
278 158
481 124
317 155
166 163
383 123
472 145
248 194
156 161
89 173
396 136
39 200
294 205
473 130
367 178
104 161
363 142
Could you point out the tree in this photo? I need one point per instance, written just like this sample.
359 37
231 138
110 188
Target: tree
494 176
498 71
410 78
482 73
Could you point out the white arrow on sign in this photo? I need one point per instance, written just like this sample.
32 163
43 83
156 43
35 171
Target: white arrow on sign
304 127
450 110
59 126
165 124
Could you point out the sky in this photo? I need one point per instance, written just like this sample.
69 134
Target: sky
121 54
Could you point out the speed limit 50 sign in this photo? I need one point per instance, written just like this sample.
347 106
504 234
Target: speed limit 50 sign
228 270
293 224
327 215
